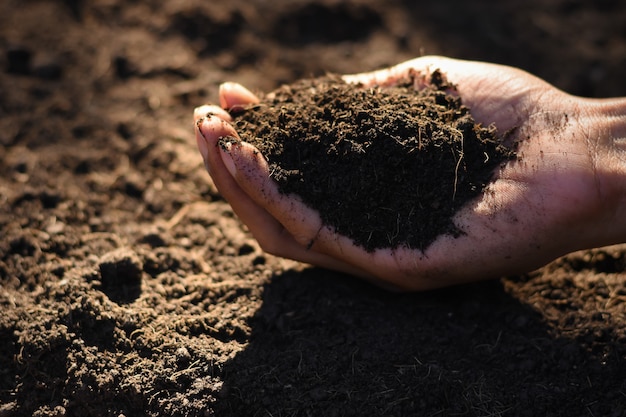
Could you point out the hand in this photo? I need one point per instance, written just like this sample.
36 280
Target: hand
564 192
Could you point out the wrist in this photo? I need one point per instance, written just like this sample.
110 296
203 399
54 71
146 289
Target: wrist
607 138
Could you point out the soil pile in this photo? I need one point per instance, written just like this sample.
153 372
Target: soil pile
386 167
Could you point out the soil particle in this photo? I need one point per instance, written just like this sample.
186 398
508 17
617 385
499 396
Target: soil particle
386 167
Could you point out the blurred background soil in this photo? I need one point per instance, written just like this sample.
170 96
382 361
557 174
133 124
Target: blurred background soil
129 288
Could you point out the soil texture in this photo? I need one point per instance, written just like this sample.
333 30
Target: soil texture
348 151
129 288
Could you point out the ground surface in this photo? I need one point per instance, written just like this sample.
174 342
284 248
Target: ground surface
127 286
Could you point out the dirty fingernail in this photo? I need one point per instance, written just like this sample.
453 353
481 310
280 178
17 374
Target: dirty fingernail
201 141
226 146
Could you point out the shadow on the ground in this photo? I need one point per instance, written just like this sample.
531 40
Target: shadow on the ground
355 350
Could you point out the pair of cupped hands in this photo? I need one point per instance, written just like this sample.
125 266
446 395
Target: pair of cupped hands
562 192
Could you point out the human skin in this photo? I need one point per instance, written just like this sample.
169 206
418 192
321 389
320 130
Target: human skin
566 190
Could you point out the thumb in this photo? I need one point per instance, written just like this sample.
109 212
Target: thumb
234 96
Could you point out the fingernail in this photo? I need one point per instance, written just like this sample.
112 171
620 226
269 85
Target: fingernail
201 140
234 96
226 145
202 111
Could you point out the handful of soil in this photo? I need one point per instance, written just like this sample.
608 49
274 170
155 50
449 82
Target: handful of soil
386 167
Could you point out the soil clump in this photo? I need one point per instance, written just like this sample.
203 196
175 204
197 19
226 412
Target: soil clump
386 167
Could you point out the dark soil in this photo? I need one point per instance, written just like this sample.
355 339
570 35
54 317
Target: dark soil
334 145
128 287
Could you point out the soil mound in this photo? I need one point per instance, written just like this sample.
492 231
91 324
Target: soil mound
384 166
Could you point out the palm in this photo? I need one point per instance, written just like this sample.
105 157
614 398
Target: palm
523 219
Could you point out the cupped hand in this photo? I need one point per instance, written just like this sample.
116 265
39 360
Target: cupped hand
553 199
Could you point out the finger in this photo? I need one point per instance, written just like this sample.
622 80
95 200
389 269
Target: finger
210 110
390 76
269 232
249 197
208 133
234 96
251 171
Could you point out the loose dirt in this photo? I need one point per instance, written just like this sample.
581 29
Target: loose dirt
385 167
